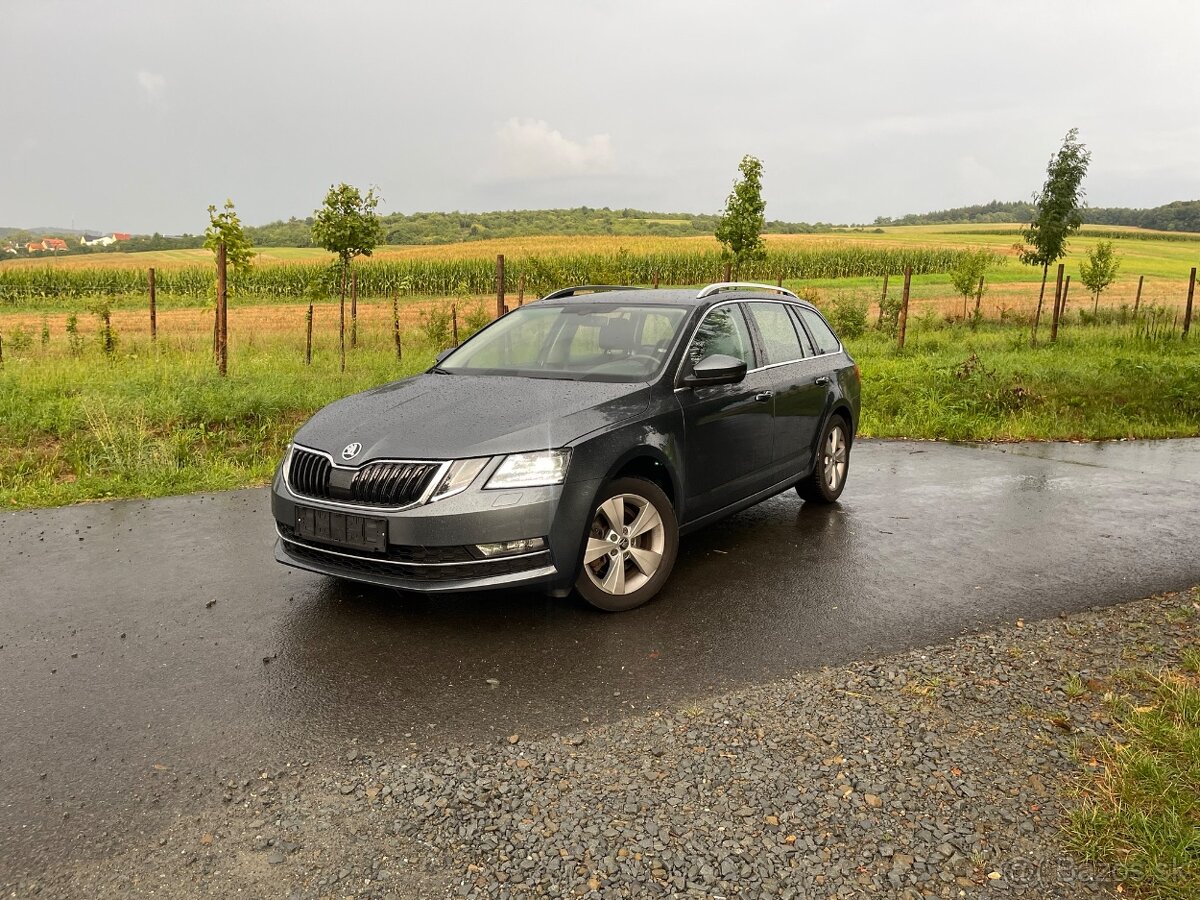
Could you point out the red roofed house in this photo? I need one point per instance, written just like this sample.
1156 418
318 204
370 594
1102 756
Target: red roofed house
120 236
54 245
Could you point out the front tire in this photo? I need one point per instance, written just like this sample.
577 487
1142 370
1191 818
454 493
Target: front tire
828 477
630 546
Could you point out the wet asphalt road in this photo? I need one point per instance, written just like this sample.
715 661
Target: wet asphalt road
124 688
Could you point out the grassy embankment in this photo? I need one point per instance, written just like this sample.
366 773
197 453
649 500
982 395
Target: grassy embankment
157 420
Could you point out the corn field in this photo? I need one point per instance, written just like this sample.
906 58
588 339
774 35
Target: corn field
541 274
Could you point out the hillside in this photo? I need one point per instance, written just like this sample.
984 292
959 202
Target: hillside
1181 215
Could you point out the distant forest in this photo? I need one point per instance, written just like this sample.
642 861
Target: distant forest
1182 215
455 227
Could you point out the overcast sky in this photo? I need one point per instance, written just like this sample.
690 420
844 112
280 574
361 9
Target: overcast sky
136 116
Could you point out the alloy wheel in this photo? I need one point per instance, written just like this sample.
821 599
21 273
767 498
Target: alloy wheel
625 544
835 456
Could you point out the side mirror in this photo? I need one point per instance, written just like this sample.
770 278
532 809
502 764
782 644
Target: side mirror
716 369
437 360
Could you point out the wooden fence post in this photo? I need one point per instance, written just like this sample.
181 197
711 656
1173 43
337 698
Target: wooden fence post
728 272
1063 306
1187 312
1137 301
308 338
521 290
900 332
978 297
454 323
342 323
779 280
222 311
882 301
396 325
153 308
353 309
499 285
656 279
1058 284
1037 316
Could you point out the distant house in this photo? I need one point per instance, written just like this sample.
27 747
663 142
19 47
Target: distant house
54 245
103 240
10 247
34 247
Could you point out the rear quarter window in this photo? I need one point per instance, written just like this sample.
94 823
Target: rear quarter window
822 334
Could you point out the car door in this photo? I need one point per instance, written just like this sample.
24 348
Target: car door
800 391
727 428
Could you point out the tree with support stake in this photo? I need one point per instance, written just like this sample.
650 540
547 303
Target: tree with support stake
1058 212
346 224
233 251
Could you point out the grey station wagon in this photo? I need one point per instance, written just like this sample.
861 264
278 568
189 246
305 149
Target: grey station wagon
570 443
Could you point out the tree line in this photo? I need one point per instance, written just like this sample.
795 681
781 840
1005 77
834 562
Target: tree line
1181 215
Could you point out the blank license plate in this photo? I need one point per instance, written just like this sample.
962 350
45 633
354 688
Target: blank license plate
342 529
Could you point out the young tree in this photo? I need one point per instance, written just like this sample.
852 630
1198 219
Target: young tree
347 225
965 276
1099 270
1058 211
225 227
741 225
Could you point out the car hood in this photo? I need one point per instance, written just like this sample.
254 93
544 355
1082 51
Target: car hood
457 416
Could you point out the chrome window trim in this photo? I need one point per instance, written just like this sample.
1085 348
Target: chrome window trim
443 468
396 562
799 305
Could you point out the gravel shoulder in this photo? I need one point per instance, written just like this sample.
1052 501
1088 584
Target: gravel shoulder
938 772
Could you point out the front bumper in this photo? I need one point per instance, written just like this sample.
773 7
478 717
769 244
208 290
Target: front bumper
425 551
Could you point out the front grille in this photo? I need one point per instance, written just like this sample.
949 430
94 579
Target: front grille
391 483
309 474
375 484
419 572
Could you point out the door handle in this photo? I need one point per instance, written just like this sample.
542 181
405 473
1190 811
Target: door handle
764 396
821 379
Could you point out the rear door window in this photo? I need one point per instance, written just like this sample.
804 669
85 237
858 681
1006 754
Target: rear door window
822 334
778 333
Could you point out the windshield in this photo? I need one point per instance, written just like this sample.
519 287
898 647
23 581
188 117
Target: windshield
588 342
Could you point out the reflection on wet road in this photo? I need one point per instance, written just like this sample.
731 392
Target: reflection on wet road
147 645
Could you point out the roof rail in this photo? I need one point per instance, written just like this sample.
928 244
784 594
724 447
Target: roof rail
719 286
588 289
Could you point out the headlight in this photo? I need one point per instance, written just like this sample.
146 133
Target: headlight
535 469
458 478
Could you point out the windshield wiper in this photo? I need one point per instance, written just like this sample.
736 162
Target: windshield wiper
436 370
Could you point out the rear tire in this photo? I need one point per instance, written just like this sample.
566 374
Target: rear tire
831 467
630 545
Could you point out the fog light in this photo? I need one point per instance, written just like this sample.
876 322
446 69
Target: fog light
508 548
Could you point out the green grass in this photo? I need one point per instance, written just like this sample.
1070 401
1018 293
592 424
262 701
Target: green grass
153 421
1095 383
1139 813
